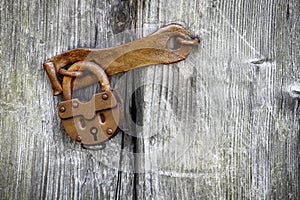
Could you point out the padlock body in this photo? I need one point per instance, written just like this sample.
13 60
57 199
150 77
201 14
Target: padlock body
92 122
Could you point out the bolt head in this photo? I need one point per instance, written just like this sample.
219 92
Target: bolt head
78 138
62 109
104 96
75 104
109 131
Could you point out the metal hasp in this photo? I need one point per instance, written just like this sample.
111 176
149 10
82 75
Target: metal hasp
98 120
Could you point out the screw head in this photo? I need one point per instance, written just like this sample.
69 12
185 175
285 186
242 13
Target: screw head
75 104
109 131
78 138
104 96
62 109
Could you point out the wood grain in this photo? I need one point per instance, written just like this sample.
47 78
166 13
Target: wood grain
224 124
38 160
221 125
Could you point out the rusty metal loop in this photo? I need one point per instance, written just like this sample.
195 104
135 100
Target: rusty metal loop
81 66
183 41
69 73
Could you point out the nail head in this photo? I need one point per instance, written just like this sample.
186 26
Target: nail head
109 131
62 109
104 96
75 104
78 138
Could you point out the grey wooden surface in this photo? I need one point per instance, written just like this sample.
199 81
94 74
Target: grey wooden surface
221 125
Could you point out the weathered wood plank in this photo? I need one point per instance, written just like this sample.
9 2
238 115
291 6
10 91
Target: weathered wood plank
37 159
221 125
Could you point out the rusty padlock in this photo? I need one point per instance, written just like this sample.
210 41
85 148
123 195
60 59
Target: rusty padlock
94 121
98 120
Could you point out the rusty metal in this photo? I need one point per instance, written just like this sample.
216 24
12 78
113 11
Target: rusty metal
187 42
66 73
94 121
152 49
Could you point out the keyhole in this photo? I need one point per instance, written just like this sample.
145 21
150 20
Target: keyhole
94 132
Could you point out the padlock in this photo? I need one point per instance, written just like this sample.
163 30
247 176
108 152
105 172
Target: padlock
97 120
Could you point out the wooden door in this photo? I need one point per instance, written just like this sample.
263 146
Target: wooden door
223 124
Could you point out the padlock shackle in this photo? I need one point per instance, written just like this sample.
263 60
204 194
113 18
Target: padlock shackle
88 66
